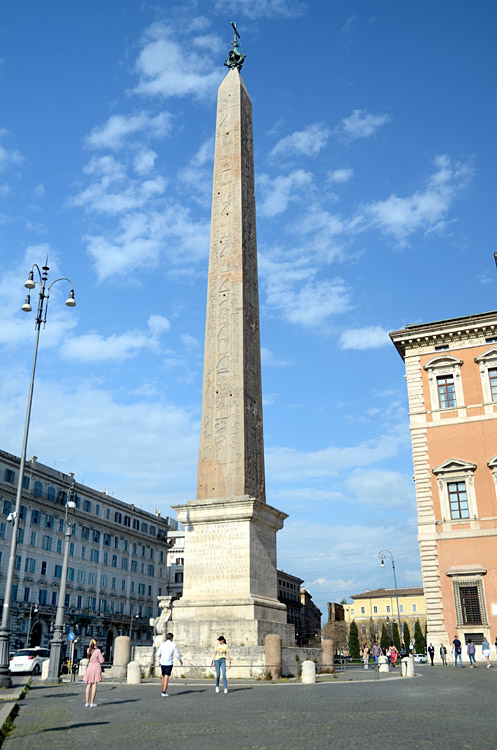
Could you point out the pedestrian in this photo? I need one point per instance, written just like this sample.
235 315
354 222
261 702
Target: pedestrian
456 650
443 655
166 653
471 653
93 674
393 655
365 656
485 649
221 653
431 652
376 651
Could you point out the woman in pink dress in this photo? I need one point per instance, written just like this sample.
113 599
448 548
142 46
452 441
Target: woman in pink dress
93 674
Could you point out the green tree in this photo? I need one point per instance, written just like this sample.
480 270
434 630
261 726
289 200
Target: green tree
419 639
396 636
406 635
385 638
354 649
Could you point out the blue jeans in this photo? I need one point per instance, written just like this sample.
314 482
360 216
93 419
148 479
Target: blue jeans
460 659
220 665
472 659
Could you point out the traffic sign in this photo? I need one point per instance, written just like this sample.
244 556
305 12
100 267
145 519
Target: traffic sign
71 636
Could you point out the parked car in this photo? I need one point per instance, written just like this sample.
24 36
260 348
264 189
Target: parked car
29 660
420 658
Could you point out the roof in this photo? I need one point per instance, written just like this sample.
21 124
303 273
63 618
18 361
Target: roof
444 330
388 593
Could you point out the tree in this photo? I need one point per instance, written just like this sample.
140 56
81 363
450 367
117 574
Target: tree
385 639
406 635
354 649
419 639
396 636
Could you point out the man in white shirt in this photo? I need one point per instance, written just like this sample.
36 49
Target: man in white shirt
166 653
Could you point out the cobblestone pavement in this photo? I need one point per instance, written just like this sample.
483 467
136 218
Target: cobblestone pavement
441 708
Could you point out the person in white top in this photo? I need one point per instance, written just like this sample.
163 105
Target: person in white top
166 653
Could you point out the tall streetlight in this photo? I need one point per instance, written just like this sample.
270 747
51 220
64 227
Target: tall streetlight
58 633
33 608
383 555
41 317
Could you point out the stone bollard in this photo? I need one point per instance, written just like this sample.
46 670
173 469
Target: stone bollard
134 676
82 667
384 666
408 666
327 656
122 656
44 669
272 645
308 672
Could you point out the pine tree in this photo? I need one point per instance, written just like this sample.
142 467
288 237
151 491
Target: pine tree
385 639
354 649
406 635
396 636
419 639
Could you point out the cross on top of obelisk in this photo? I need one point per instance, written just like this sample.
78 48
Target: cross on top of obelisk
235 56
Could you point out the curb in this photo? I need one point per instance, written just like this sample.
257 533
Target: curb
6 712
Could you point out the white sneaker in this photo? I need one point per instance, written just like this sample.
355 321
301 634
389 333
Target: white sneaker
217 690
93 705
86 705
225 690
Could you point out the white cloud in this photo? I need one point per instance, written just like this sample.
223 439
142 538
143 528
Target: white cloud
165 69
360 124
93 347
307 142
118 128
141 238
279 192
381 488
269 360
263 8
370 337
424 210
144 161
8 157
189 342
341 175
307 302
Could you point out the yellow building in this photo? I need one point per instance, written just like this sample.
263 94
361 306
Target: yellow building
374 607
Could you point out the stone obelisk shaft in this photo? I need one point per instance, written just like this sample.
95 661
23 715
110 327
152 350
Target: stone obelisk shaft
231 456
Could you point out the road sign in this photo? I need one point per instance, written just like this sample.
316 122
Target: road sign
71 636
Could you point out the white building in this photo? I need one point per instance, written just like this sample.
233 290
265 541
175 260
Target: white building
117 559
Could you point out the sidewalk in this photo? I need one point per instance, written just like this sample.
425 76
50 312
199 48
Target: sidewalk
442 708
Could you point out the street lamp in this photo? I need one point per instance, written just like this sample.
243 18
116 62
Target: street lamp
58 634
33 608
383 555
41 317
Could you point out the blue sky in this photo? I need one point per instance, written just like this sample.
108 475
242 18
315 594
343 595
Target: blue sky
374 128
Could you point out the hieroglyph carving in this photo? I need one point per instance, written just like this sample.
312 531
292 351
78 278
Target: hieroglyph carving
231 458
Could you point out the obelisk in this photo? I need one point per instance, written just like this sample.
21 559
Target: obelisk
230 583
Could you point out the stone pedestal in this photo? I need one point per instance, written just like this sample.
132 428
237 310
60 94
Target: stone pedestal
408 666
230 585
273 655
122 656
327 656
134 676
383 665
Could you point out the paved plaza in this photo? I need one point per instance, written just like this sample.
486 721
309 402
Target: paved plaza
441 707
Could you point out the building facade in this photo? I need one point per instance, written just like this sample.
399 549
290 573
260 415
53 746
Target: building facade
117 559
376 607
451 373
289 594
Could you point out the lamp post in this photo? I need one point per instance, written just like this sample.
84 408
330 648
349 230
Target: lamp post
33 608
383 555
41 317
58 633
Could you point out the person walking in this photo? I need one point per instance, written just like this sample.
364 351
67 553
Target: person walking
166 653
393 654
431 652
471 653
485 649
443 655
365 656
457 650
221 653
93 674
376 651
